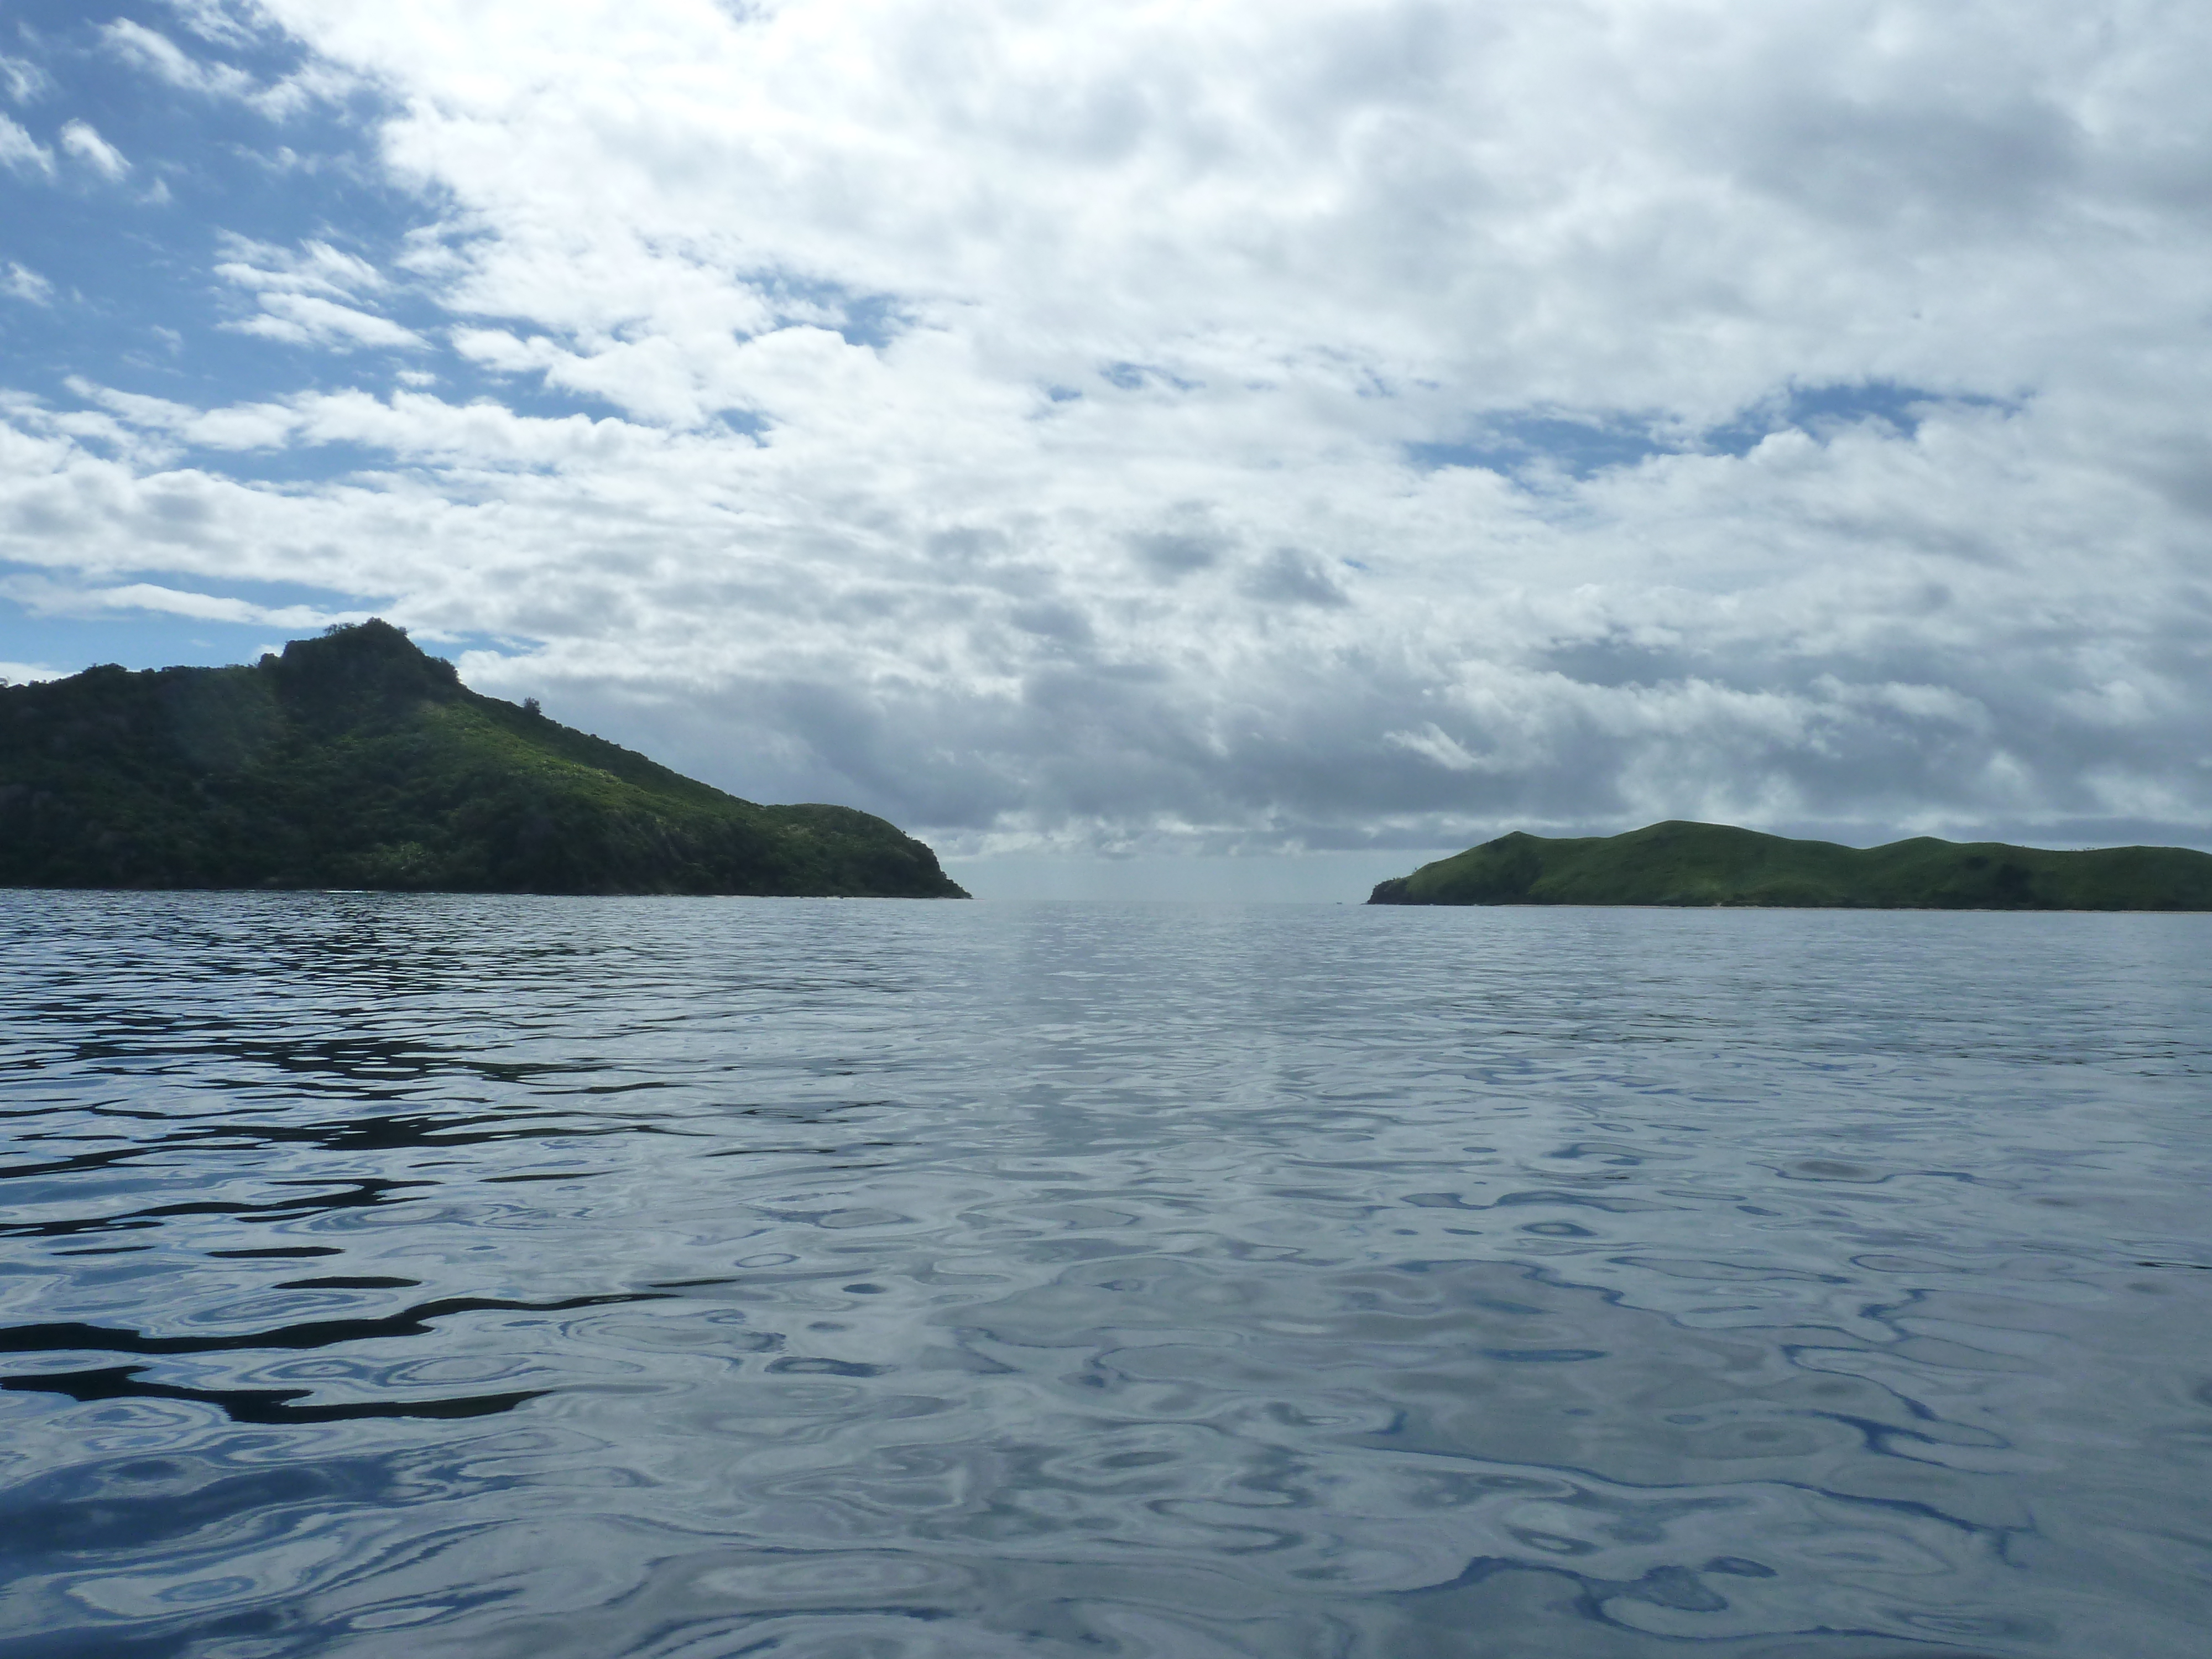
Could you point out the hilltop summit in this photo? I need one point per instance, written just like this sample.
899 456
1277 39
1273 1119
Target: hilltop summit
1679 863
357 760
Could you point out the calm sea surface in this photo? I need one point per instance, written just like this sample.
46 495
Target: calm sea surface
387 1277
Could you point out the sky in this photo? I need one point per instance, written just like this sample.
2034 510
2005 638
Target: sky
1157 450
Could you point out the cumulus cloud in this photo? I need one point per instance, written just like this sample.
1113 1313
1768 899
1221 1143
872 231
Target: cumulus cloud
304 319
315 267
154 53
23 80
1314 423
22 283
83 140
22 154
303 296
43 597
219 22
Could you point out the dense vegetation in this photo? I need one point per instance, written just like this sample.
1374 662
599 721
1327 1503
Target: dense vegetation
354 760
1679 863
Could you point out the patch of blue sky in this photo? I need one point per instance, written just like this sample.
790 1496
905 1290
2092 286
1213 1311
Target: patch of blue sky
130 258
874 321
1519 445
296 463
1528 445
123 288
144 620
1138 377
751 423
1824 409
71 644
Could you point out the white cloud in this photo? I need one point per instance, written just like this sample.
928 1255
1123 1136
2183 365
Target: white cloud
154 53
303 319
239 426
50 599
26 673
22 283
1433 743
19 153
315 268
83 140
159 54
23 80
408 425
300 293
135 407
1032 422
218 23
242 427
121 439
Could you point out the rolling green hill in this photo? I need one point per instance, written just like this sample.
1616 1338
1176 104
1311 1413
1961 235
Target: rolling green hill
1683 864
354 760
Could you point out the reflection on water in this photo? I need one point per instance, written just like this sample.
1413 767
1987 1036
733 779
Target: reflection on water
399 1276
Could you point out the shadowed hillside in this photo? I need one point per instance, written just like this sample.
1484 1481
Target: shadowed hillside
1678 863
354 760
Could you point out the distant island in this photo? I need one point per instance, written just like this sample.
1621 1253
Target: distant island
356 760
1678 863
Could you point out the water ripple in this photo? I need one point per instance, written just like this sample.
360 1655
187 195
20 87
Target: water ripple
419 1276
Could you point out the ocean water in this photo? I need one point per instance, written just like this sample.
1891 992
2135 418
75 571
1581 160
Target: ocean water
388 1276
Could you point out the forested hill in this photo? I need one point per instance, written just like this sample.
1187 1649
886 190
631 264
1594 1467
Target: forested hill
1683 864
355 760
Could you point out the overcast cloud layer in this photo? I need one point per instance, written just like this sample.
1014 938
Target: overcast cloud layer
1214 427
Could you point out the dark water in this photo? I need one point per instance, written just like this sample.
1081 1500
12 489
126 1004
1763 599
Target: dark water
515 1277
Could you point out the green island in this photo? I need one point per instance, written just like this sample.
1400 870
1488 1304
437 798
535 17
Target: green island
355 760
1679 863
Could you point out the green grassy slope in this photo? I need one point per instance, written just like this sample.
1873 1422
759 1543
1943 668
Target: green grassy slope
1679 863
354 760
